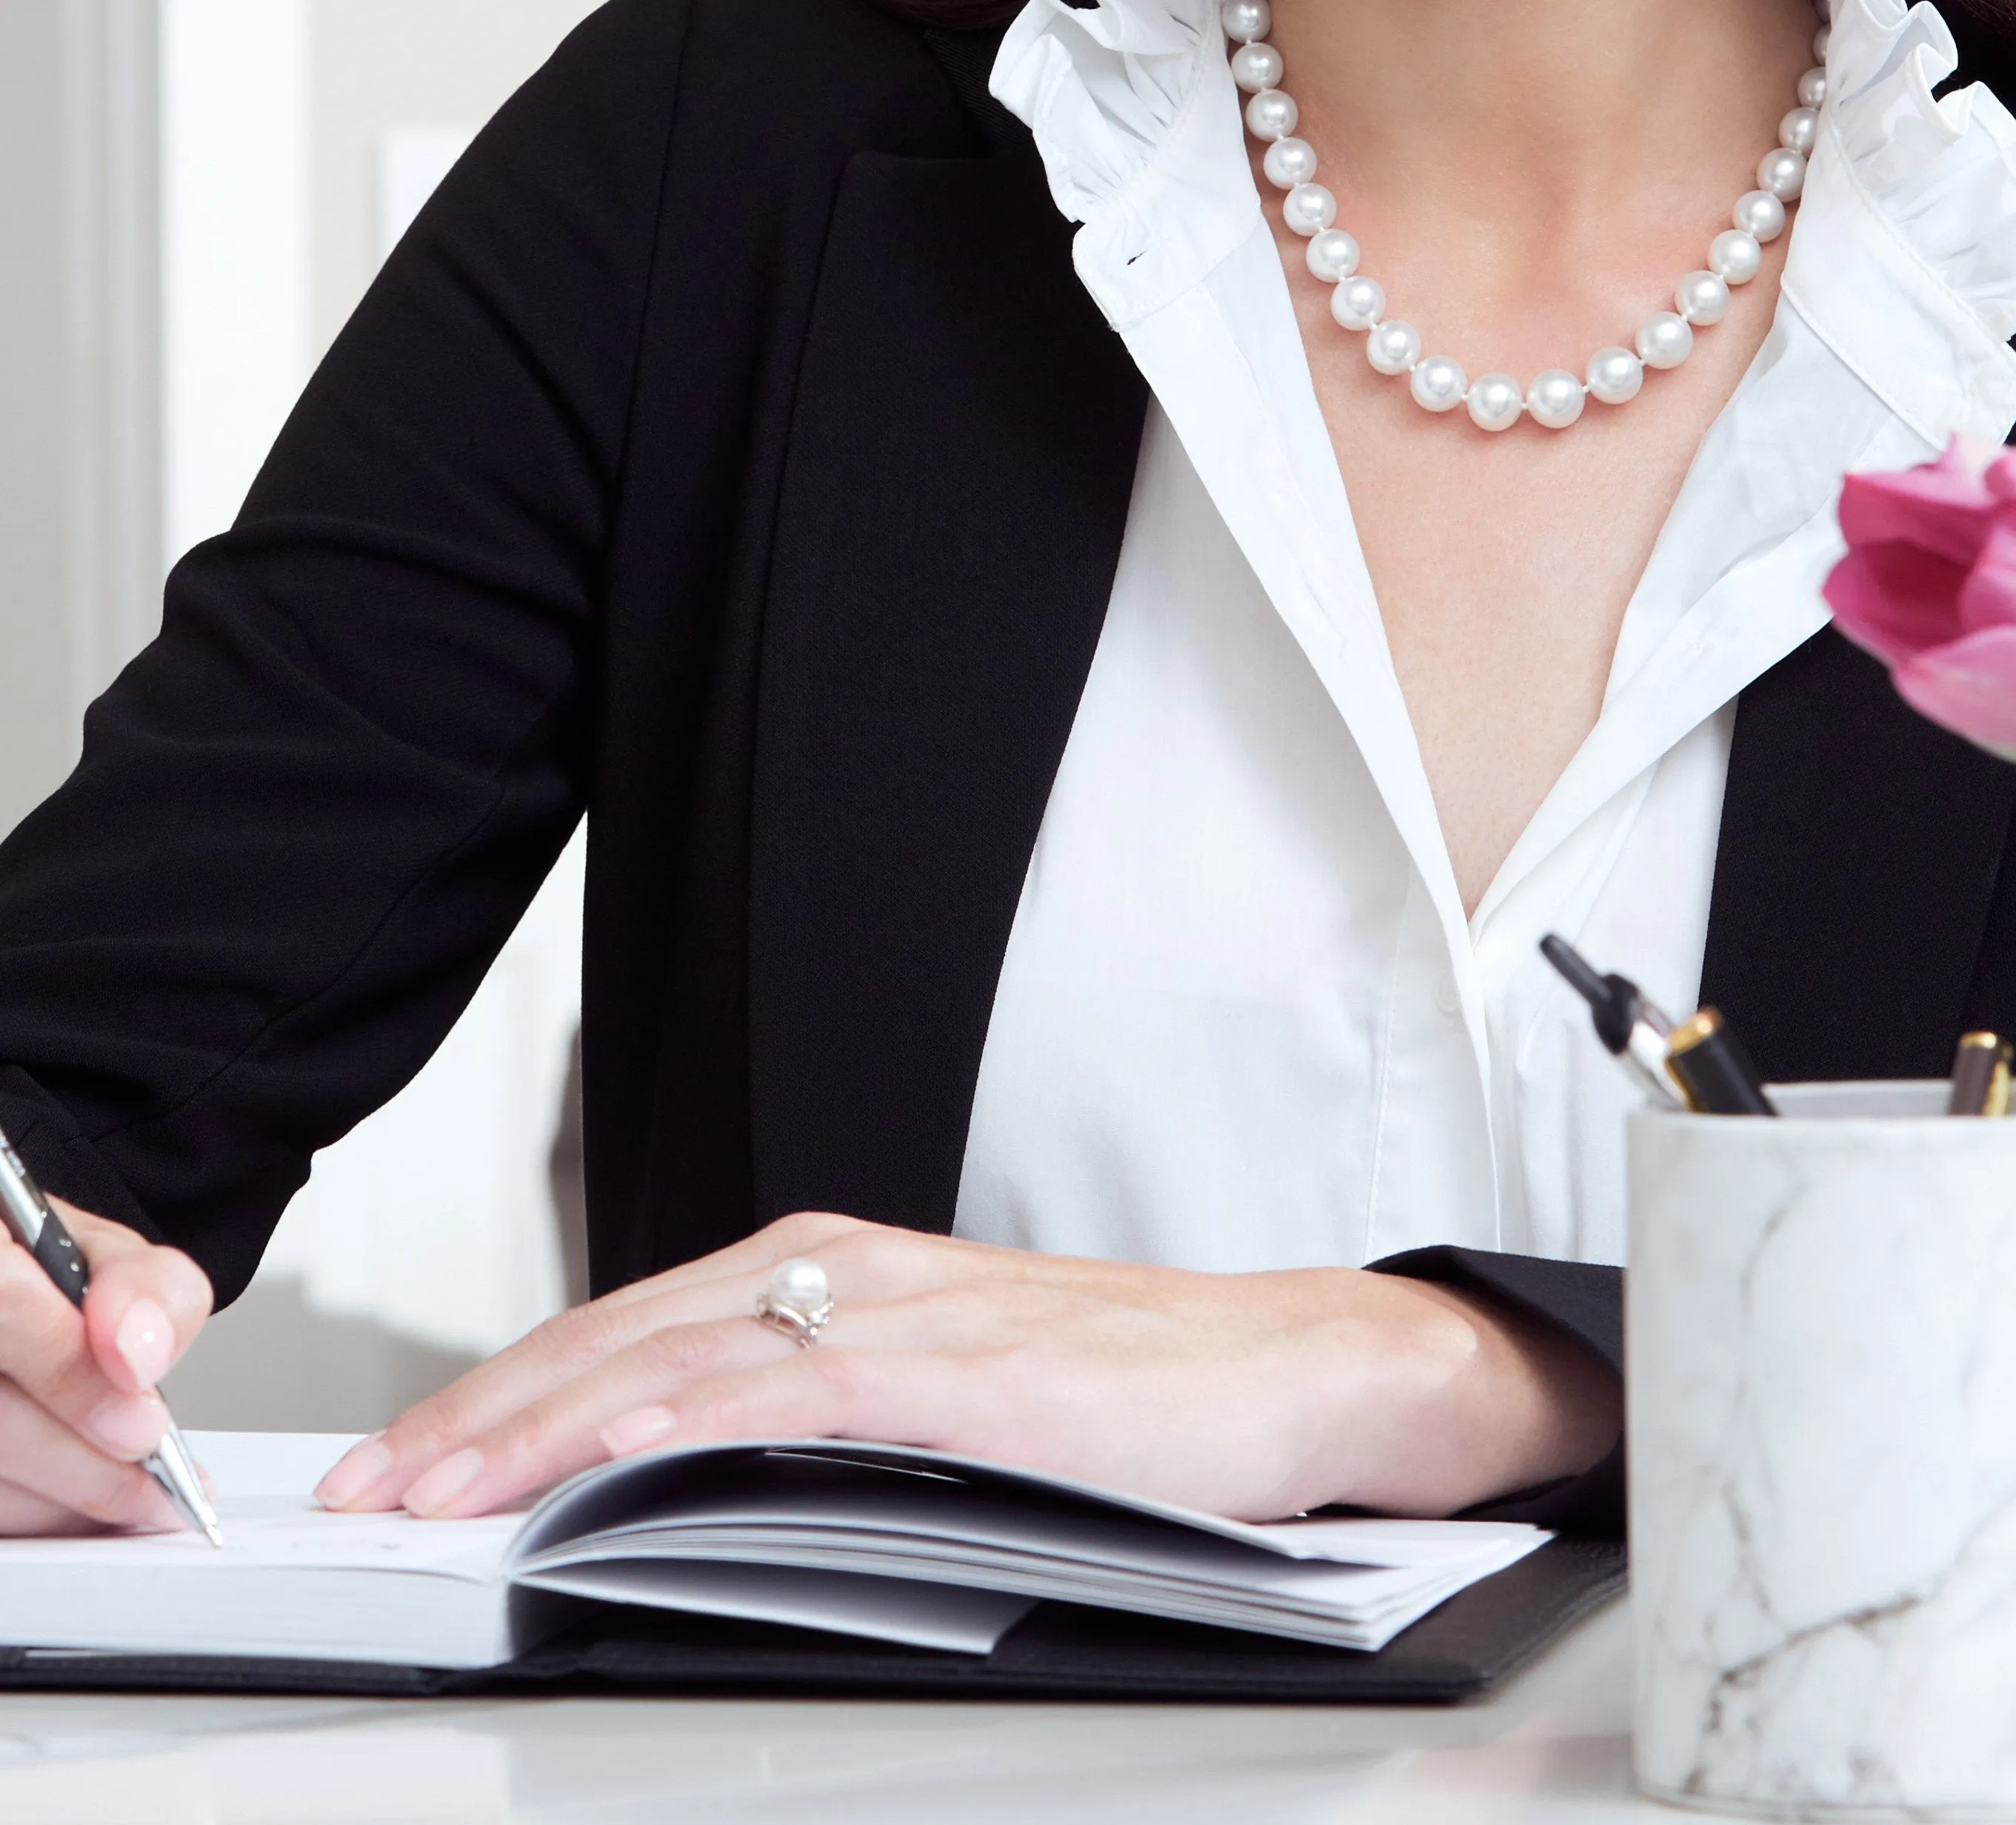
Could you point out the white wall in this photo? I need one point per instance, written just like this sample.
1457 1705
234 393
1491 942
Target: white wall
301 136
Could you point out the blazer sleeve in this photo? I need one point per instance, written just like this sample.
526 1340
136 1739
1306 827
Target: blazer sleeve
307 816
1586 1301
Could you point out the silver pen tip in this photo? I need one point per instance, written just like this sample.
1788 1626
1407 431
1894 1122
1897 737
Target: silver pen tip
213 1533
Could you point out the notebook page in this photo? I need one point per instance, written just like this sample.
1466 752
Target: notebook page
291 1578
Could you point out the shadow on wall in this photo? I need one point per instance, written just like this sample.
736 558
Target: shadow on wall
327 1372
319 1371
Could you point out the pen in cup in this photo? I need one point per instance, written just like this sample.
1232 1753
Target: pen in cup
39 1229
1981 1075
1632 1029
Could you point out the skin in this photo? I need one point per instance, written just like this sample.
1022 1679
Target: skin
1528 179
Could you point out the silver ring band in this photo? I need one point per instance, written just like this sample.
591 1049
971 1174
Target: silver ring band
797 1303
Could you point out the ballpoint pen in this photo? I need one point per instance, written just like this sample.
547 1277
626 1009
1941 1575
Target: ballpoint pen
1708 1063
1631 1027
38 1228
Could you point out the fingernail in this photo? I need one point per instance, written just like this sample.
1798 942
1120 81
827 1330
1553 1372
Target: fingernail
442 1484
146 1341
639 1431
127 1425
358 1470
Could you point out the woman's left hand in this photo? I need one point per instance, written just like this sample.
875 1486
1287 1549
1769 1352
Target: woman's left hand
1251 1395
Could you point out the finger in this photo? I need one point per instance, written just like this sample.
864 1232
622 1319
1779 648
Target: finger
644 1386
25 1516
45 1458
44 1351
145 1304
864 1261
556 1437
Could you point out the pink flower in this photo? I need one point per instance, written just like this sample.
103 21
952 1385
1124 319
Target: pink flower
1929 587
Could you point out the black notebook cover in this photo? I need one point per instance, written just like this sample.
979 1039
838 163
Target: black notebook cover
1058 1651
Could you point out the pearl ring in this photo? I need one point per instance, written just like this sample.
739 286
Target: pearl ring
797 1301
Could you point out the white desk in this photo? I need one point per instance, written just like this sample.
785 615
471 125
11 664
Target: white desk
1551 1749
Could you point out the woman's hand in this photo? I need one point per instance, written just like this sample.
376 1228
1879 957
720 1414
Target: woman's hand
1254 1396
79 1411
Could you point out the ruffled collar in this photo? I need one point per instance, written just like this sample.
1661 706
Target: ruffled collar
1903 253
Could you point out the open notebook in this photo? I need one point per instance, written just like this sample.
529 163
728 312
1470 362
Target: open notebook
886 1541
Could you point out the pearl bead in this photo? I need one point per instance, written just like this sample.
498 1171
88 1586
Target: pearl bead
1308 209
1783 173
1494 401
1555 398
800 1284
1812 89
1702 298
1734 255
1616 375
1799 130
1272 115
1288 163
1244 20
1821 39
1333 255
1393 348
1665 340
1759 214
1438 384
1258 67
1359 303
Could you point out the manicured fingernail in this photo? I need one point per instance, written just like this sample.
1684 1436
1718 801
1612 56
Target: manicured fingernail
357 1471
442 1484
639 1431
127 1425
146 1341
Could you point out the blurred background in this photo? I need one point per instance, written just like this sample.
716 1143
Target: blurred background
194 194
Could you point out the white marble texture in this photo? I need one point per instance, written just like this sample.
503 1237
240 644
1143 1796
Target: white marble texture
1822 1343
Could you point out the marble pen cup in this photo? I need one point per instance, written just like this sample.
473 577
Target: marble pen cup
1821 1342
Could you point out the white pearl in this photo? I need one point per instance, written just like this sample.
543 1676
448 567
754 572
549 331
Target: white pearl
1759 214
1393 348
1665 340
1799 130
1702 298
1555 398
1308 209
1288 163
1783 173
1439 383
800 1284
1258 67
1821 39
1272 115
1244 20
1812 89
1359 303
1616 375
1333 255
1734 255
1495 402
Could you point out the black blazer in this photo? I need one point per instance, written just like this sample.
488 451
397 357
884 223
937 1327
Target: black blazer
741 462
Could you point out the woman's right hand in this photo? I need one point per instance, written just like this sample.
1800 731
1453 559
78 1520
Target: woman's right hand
78 1412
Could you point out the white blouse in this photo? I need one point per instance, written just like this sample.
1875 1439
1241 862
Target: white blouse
1243 1022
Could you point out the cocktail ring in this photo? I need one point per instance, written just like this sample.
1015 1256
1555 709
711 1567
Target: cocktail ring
797 1301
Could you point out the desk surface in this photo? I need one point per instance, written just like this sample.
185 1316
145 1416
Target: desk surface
1553 1745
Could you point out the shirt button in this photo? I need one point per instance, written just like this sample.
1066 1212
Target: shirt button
1449 998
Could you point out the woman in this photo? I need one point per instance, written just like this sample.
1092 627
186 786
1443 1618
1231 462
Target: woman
1077 760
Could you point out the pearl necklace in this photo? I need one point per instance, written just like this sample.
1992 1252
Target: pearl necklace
1439 383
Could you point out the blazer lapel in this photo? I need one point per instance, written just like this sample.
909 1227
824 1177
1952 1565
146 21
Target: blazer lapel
961 458
1860 848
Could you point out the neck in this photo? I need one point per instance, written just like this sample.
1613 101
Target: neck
1504 150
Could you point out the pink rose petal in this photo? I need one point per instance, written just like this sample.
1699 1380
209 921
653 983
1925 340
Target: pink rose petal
1896 599
1945 506
1968 687
1988 598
